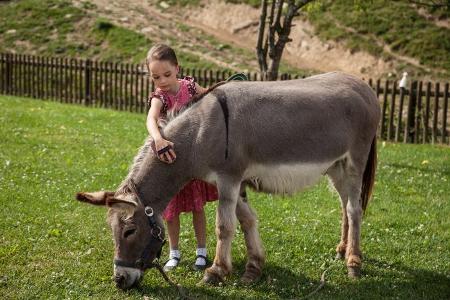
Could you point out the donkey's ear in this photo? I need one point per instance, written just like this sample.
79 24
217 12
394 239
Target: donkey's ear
124 199
95 198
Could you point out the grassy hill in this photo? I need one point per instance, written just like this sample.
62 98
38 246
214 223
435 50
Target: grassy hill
388 29
56 27
392 30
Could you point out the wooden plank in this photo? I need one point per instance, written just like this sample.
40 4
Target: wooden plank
126 102
135 97
57 78
409 126
95 95
77 82
400 115
444 115
39 78
435 114
71 81
392 112
417 126
2 70
383 110
426 116
142 97
114 85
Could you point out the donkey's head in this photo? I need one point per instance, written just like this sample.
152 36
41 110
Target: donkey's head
138 234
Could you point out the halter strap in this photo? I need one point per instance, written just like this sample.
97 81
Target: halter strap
142 262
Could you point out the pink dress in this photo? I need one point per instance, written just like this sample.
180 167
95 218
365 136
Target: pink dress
196 193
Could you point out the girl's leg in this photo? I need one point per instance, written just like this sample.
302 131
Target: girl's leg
199 222
173 229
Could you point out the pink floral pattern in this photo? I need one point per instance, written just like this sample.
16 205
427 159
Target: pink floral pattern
196 193
185 93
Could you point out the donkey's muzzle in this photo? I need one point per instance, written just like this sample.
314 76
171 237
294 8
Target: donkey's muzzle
120 281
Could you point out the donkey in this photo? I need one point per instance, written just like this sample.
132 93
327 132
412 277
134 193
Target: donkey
276 137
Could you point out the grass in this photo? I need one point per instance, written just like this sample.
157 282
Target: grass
53 247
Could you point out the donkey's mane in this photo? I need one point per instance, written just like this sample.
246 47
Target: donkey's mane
126 187
196 98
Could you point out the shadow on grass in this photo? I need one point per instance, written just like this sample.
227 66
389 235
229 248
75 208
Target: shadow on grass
277 281
380 280
383 280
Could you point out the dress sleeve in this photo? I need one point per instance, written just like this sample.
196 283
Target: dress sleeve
159 95
190 82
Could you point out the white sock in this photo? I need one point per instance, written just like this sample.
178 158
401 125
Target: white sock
201 261
173 262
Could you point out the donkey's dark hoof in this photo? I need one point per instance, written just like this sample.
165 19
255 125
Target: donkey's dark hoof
340 256
211 278
354 272
249 279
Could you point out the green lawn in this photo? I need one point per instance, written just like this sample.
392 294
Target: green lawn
53 247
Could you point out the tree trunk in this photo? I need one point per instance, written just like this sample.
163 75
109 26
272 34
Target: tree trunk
271 41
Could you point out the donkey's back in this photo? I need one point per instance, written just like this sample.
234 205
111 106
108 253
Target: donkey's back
289 133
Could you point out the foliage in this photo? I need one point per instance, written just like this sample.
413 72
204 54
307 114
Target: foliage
254 3
54 247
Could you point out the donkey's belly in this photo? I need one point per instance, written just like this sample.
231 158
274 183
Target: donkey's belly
285 178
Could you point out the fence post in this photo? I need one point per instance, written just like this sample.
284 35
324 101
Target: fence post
400 115
87 82
8 73
435 114
410 119
444 114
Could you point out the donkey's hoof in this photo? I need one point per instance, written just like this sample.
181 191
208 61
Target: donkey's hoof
211 277
251 275
354 272
248 279
340 256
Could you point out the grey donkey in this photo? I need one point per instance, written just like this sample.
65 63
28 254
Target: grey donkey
276 137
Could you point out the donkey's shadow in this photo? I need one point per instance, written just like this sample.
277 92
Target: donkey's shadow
281 282
276 280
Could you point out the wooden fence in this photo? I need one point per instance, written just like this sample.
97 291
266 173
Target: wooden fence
417 114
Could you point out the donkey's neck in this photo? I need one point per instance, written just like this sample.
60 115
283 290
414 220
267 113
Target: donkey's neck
158 182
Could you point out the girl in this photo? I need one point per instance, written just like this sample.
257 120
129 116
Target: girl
172 94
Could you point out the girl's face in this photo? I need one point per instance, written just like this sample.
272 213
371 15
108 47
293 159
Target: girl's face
164 75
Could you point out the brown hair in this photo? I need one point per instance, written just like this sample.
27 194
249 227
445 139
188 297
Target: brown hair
161 52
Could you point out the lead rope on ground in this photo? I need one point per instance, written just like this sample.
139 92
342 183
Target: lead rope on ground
322 281
180 289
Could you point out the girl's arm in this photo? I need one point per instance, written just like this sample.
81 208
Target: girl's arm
153 130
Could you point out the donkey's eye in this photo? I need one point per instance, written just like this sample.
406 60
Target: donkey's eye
129 232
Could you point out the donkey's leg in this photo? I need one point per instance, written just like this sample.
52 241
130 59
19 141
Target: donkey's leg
225 228
249 225
338 176
354 214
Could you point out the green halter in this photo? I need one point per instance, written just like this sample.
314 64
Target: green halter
238 76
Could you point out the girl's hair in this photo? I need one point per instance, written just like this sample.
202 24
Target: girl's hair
161 52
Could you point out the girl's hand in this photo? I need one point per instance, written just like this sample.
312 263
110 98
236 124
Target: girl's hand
164 151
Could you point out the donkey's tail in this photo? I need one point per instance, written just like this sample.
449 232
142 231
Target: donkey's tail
369 175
